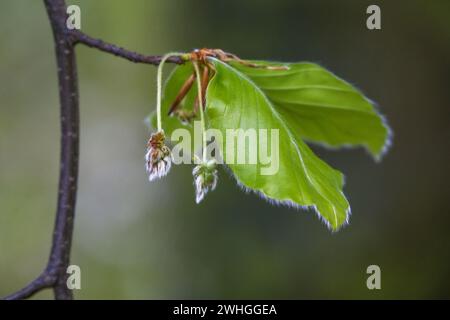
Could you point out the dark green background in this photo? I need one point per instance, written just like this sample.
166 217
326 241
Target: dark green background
134 239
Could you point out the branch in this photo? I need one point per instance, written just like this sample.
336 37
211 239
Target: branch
80 37
42 282
68 178
55 274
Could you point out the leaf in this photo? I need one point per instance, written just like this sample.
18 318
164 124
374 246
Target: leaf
320 107
234 101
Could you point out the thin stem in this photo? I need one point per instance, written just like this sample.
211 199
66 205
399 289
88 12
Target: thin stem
159 85
44 281
202 115
68 179
55 276
80 37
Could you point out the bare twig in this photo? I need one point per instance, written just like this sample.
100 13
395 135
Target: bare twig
80 37
44 281
55 274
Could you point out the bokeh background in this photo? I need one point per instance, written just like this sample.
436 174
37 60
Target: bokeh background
136 240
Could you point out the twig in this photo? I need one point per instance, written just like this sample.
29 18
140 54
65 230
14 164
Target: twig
42 282
80 37
55 274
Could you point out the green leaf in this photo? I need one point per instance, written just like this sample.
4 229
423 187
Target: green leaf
234 101
320 107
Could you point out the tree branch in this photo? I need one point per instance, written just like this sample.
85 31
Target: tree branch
55 274
80 37
68 177
42 282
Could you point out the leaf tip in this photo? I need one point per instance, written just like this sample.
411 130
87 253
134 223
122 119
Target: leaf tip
379 154
335 226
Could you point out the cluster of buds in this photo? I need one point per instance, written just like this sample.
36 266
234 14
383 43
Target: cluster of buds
158 157
159 160
205 178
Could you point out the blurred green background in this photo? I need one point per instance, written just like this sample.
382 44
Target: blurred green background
138 240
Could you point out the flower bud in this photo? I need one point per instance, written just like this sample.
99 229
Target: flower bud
158 158
205 179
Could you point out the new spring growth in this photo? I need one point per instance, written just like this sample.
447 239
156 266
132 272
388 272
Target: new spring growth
205 178
158 157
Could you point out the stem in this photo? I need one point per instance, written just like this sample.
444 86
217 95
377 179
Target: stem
159 85
40 283
68 179
80 37
54 275
202 115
